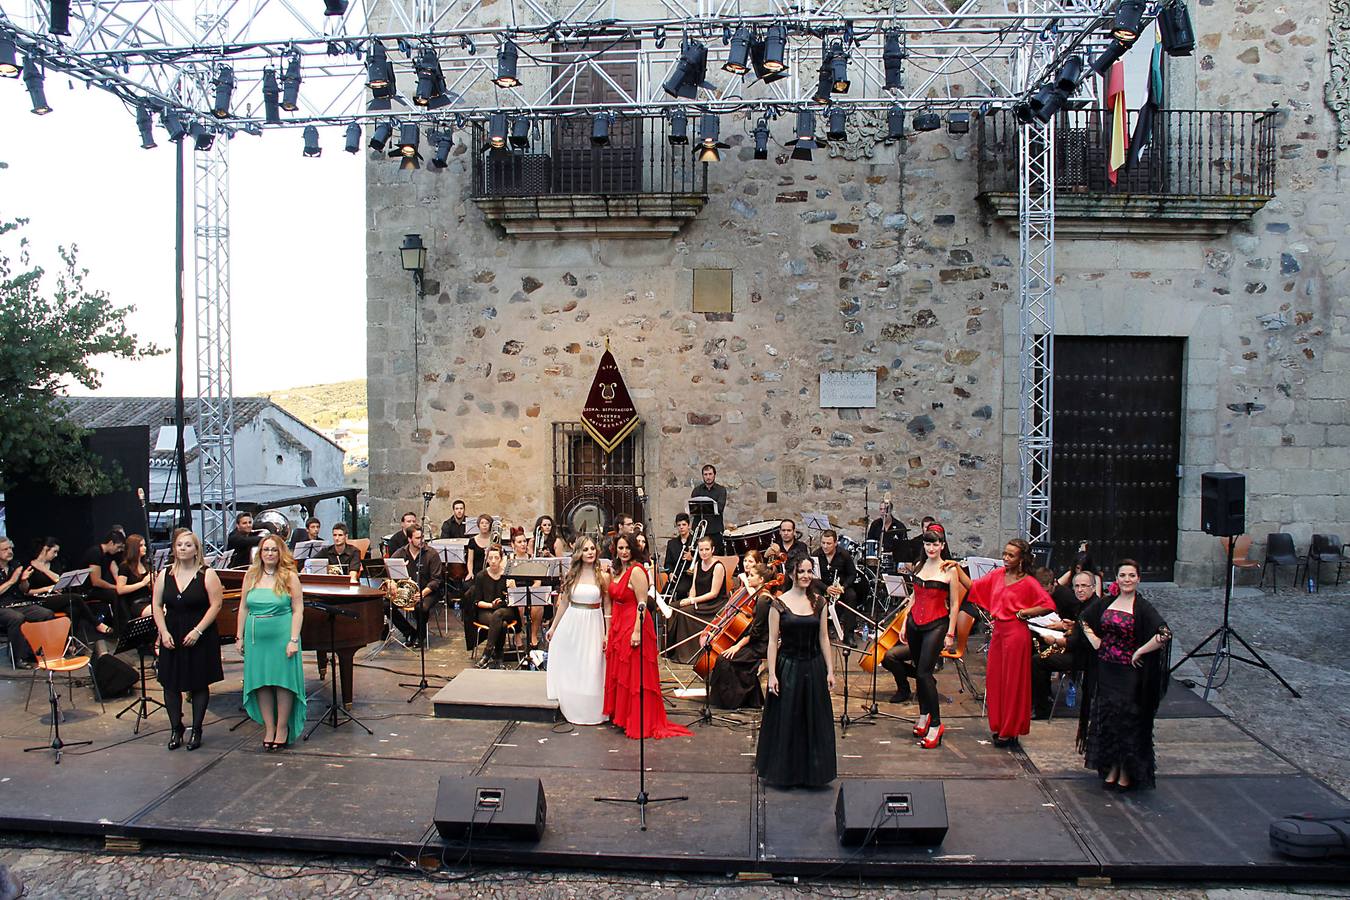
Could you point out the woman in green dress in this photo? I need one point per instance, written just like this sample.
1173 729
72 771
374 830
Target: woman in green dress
271 610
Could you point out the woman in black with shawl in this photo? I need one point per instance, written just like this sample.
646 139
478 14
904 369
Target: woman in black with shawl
1123 682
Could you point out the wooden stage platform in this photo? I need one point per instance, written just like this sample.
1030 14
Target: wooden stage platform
1030 812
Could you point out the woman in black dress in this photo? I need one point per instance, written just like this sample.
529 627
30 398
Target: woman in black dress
132 577
706 597
1124 681
734 682
487 597
478 545
185 604
42 578
796 738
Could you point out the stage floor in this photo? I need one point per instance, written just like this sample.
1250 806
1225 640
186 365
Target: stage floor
1028 812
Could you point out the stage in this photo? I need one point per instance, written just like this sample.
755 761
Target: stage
1031 812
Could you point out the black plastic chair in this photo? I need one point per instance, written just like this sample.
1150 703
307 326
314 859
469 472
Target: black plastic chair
1280 551
1327 548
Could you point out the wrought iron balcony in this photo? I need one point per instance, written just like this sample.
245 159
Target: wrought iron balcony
636 185
1203 171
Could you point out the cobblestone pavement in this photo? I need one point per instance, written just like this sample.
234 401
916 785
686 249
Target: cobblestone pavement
1300 634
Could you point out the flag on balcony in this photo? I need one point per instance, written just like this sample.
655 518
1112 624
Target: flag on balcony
1142 139
1115 102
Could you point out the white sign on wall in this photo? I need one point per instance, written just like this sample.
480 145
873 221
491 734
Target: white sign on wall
852 390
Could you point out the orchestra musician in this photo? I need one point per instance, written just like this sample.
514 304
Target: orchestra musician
890 534
707 595
677 548
520 549
16 606
101 561
711 490
425 568
1056 655
478 545
626 528
838 572
551 542
455 526
132 579
734 682
39 583
242 541
487 596
399 539
313 527
348 559
789 549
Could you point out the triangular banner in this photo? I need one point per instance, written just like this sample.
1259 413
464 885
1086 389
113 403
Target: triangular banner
609 415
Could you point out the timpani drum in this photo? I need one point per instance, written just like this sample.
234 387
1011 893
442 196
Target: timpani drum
750 536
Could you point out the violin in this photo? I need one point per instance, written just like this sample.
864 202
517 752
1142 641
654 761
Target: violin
729 625
884 641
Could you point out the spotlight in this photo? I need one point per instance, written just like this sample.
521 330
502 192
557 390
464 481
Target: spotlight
312 147
600 129
927 121
760 62
334 7
838 60
738 57
1129 19
893 59
497 131
1174 25
381 136
407 149
430 81
708 143
895 123
353 144
520 132
378 74
290 82
146 125
1045 102
33 79
58 22
805 135
202 137
508 60
836 128
173 125
775 45
761 134
445 142
958 122
1071 76
689 73
824 84
1108 57
9 62
224 89
679 128
1022 110
271 97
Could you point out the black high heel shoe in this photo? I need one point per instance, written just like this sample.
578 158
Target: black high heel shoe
194 739
175 739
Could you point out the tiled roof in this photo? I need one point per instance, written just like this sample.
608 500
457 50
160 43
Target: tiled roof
152 412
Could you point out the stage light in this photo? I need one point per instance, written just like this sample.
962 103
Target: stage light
290 83
1108 57
893 59
224 90
824 85
805 135
1022 111
739 55
497 131
775 45
312 147
271 97
9 60
378 74
173 125
679 128
33 80
520 132
146 125
895 123
508 60
838 60
761 135
353 144
1129 19
334 7
708 144
430 81
689 73
58 21
958 122
927 120
1045 102
445 142
836 128
409 137
600 128
1070 76
1174 26
202 137
381 136
759 61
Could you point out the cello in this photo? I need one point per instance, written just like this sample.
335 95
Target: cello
888 637
729 625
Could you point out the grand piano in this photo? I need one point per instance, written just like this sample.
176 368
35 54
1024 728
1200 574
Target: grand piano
349 635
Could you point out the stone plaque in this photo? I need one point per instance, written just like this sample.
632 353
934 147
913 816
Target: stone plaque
852 390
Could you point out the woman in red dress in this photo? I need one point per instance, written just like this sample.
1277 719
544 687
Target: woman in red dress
632 682
1012 596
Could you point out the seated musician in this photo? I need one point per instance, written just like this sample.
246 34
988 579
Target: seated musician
1052 654
890 534
476 550
707 595
839 573
455 526
16 606
311 531
789 549
680 554
133 577
242 541
550 542
399 539
42 576
734 681
347 558
520 549
426 569
487 596
101 561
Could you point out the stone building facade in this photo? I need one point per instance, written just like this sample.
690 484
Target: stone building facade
879 258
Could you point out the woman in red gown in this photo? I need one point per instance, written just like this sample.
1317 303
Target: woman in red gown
630 654
1012 596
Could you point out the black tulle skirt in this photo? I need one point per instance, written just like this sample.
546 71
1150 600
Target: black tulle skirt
796 737
1119 732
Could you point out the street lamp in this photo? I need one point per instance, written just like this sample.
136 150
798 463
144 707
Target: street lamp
414 255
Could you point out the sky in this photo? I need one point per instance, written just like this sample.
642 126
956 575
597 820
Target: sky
297 249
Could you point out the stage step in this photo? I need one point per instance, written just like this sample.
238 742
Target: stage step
496 694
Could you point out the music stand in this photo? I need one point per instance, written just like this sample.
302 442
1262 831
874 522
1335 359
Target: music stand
396 569
541 568
896 589
307 549
315 565
816 522
161 558
701 509
336 715
138 635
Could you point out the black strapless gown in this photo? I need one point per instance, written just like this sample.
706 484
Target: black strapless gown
796 737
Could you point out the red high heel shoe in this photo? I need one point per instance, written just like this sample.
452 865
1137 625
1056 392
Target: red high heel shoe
921 730
931 741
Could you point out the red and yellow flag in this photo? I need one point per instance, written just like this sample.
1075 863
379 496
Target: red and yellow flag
1115 102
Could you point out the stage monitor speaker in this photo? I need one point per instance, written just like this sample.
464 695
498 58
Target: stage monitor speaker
114 677
488 808
871 811
1223 503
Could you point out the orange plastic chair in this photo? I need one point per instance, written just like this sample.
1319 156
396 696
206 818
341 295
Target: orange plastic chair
964 624
362 546
49 641
1241 549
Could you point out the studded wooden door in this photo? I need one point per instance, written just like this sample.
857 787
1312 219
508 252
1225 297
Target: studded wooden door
1117 429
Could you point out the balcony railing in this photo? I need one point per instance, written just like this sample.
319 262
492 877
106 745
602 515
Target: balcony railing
1202 170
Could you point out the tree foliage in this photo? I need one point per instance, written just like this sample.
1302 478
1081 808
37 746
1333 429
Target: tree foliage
47 342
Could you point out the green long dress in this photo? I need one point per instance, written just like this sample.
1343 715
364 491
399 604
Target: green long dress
266 633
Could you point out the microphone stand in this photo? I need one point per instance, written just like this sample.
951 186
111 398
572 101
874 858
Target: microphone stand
874 710
421 684
54 702
335 708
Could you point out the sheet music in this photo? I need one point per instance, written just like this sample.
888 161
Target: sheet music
1046 620
316 566
539 596
1050 634
895 586
307 549
979 566
220 560
397 568
816 522
451 550
706 506
73 578
161 558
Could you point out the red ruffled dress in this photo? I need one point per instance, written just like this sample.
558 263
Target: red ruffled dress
637 716
1008 679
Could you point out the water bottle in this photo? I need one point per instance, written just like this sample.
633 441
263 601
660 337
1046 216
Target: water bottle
1071 695
1312 584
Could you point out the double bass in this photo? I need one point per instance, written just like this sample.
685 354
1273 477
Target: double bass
887 638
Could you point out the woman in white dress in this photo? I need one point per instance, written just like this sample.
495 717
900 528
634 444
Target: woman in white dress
576 640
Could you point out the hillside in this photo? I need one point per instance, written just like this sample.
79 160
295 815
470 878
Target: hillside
338 410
